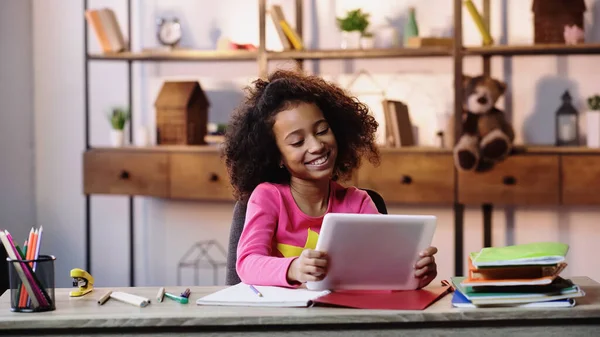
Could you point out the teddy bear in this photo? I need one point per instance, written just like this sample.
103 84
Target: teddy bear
486 136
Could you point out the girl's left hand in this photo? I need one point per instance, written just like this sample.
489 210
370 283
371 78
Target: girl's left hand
426 269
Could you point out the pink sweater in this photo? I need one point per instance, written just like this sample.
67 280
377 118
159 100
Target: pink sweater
276 230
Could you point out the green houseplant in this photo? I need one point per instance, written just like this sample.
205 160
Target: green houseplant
118 118
593 121
594 102
354 28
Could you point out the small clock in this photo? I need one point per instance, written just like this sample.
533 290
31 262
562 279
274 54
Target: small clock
169 32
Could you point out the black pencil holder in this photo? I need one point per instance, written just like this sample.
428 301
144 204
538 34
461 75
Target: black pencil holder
32 284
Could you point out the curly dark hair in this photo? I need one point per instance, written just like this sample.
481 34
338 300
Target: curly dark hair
250 150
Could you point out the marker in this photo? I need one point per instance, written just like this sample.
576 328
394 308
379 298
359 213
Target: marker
161 294
256 291
182 300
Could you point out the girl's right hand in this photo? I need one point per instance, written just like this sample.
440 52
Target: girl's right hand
311 265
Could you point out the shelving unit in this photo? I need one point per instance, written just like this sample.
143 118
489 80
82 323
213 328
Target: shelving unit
534 50
407 175
178 56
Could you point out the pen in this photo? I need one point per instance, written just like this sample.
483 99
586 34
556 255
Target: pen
256 291
182 300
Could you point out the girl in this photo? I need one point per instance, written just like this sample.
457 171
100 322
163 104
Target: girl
287 146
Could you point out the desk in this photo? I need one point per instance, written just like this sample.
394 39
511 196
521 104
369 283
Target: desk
83 316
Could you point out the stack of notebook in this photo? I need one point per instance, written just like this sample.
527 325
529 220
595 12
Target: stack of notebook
526 275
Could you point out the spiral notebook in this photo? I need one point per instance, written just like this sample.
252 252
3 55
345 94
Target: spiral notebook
242 295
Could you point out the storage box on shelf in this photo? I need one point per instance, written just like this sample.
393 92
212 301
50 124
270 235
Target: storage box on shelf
551 16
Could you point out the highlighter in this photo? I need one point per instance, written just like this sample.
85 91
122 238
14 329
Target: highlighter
182 300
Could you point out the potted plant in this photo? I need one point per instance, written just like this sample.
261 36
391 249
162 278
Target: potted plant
367 41
593 121
118 117
353 26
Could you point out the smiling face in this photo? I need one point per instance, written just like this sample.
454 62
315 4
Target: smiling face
307 144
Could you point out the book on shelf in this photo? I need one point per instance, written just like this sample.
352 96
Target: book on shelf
398 126
105 26
274 15
288 35
478 20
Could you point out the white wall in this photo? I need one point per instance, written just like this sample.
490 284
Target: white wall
17 201
58 106
166 229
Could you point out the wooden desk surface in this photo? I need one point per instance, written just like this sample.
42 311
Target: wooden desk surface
84 312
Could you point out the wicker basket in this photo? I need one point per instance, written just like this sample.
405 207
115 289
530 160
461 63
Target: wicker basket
551 16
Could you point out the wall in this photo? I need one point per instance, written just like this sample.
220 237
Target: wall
165 230
17 201
58 105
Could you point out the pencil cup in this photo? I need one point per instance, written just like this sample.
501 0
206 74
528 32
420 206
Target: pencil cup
32 284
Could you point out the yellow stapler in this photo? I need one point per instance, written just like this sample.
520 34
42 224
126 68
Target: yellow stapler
83 280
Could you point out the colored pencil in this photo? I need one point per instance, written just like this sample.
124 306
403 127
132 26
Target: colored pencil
23 294
31 257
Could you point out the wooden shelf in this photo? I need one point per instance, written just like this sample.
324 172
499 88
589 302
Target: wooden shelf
160 148
216 147
542 149
178 55
340 54
537 49
519 149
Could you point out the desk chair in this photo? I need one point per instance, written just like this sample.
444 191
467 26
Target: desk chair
237 224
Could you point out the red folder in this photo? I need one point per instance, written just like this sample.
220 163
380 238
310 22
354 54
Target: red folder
385 300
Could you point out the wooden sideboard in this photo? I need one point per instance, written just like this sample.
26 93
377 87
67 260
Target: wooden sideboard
187 172
408 176
533 176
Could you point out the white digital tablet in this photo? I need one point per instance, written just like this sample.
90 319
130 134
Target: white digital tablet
372 251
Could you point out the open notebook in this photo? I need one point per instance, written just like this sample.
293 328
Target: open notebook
242 295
